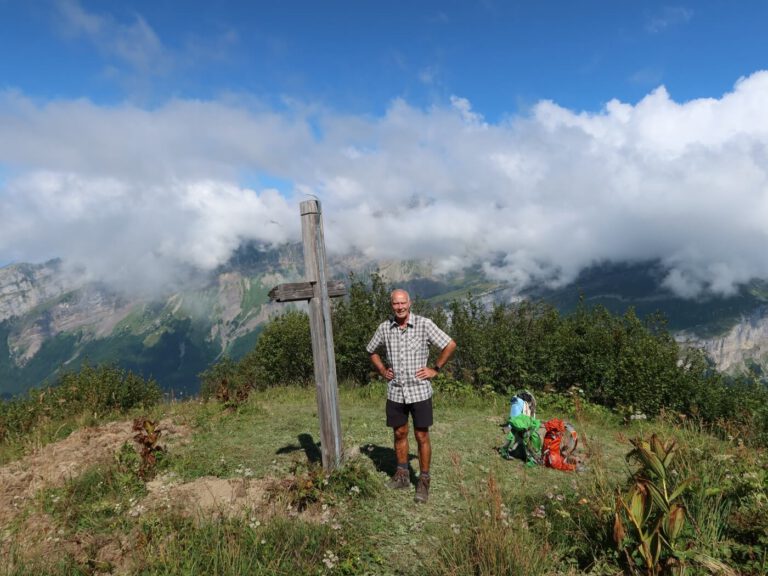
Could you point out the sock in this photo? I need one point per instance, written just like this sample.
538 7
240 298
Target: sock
424 475
404 466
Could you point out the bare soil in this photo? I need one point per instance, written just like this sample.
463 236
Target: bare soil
33 534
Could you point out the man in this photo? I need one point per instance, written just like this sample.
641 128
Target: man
407 338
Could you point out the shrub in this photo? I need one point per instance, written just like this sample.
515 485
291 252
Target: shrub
355 319
283 353
95 390
227 382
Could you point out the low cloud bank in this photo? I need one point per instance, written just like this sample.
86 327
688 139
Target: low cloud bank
135 196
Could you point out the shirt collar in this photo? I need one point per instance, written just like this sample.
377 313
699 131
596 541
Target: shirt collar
393 323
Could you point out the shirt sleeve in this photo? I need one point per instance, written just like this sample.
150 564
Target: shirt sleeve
376 341
436 336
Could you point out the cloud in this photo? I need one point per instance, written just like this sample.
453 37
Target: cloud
142 195
668 17
134 44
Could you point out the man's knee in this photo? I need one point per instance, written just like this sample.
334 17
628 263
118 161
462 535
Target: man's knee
401 432
421 434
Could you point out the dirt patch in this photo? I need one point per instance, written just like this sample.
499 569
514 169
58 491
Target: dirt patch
204 498
56 463
27 533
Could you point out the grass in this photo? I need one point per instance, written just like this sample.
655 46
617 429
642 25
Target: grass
485 515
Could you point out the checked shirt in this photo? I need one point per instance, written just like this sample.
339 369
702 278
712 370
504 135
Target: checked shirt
407 351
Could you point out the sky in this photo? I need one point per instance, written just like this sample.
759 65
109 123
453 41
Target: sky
143 139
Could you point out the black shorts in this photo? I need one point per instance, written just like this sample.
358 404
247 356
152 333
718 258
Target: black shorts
397 414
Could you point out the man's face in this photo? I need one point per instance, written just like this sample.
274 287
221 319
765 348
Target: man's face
401 305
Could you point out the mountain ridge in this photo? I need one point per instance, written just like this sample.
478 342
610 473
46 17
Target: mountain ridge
49 321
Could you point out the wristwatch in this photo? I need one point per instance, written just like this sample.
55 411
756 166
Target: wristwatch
436 368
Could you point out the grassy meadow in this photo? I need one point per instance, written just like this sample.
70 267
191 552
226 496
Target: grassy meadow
486 515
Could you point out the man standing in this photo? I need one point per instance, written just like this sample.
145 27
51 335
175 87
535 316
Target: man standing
407 338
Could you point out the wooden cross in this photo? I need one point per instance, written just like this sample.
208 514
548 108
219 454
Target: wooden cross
318 291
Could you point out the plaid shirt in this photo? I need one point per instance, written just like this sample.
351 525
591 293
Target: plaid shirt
407 351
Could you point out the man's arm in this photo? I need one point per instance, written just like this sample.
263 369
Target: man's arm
378 363
428 373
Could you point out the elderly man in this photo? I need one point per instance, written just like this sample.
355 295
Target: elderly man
407 338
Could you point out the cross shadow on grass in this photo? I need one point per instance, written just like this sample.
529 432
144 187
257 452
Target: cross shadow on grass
384 459
308 445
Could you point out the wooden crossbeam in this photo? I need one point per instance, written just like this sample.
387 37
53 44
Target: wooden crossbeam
295 291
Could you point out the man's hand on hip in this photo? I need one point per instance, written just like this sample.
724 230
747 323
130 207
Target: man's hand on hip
426 373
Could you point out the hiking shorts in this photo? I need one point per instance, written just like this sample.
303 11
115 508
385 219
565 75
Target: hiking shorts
397 413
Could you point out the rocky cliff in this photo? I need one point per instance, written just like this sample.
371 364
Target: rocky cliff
746 342
25 286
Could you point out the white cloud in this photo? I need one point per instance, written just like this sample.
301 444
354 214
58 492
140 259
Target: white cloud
140 194
668 17
134 44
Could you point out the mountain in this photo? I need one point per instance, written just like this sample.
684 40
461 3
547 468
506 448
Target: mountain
52 320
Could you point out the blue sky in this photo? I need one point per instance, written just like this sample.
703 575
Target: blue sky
534 138
357 56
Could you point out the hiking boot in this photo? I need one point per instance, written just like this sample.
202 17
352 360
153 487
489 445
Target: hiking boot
401 479
422 490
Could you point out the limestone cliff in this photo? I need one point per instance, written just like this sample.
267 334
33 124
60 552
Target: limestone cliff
745 341
25 286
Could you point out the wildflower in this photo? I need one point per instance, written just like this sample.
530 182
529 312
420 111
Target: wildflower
330 559
354 490
540 512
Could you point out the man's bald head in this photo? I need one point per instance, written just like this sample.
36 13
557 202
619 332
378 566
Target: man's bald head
401 305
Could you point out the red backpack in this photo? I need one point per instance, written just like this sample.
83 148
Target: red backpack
560 442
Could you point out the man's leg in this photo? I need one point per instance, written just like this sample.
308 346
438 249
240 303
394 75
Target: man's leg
402 477
422 420
401 444
425 449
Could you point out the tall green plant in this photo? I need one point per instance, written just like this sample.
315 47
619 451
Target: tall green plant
651 526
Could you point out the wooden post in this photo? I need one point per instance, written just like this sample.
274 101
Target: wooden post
318 290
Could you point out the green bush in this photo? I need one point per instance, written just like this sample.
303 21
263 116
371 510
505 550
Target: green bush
355 319
95 390
283 353
227 382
